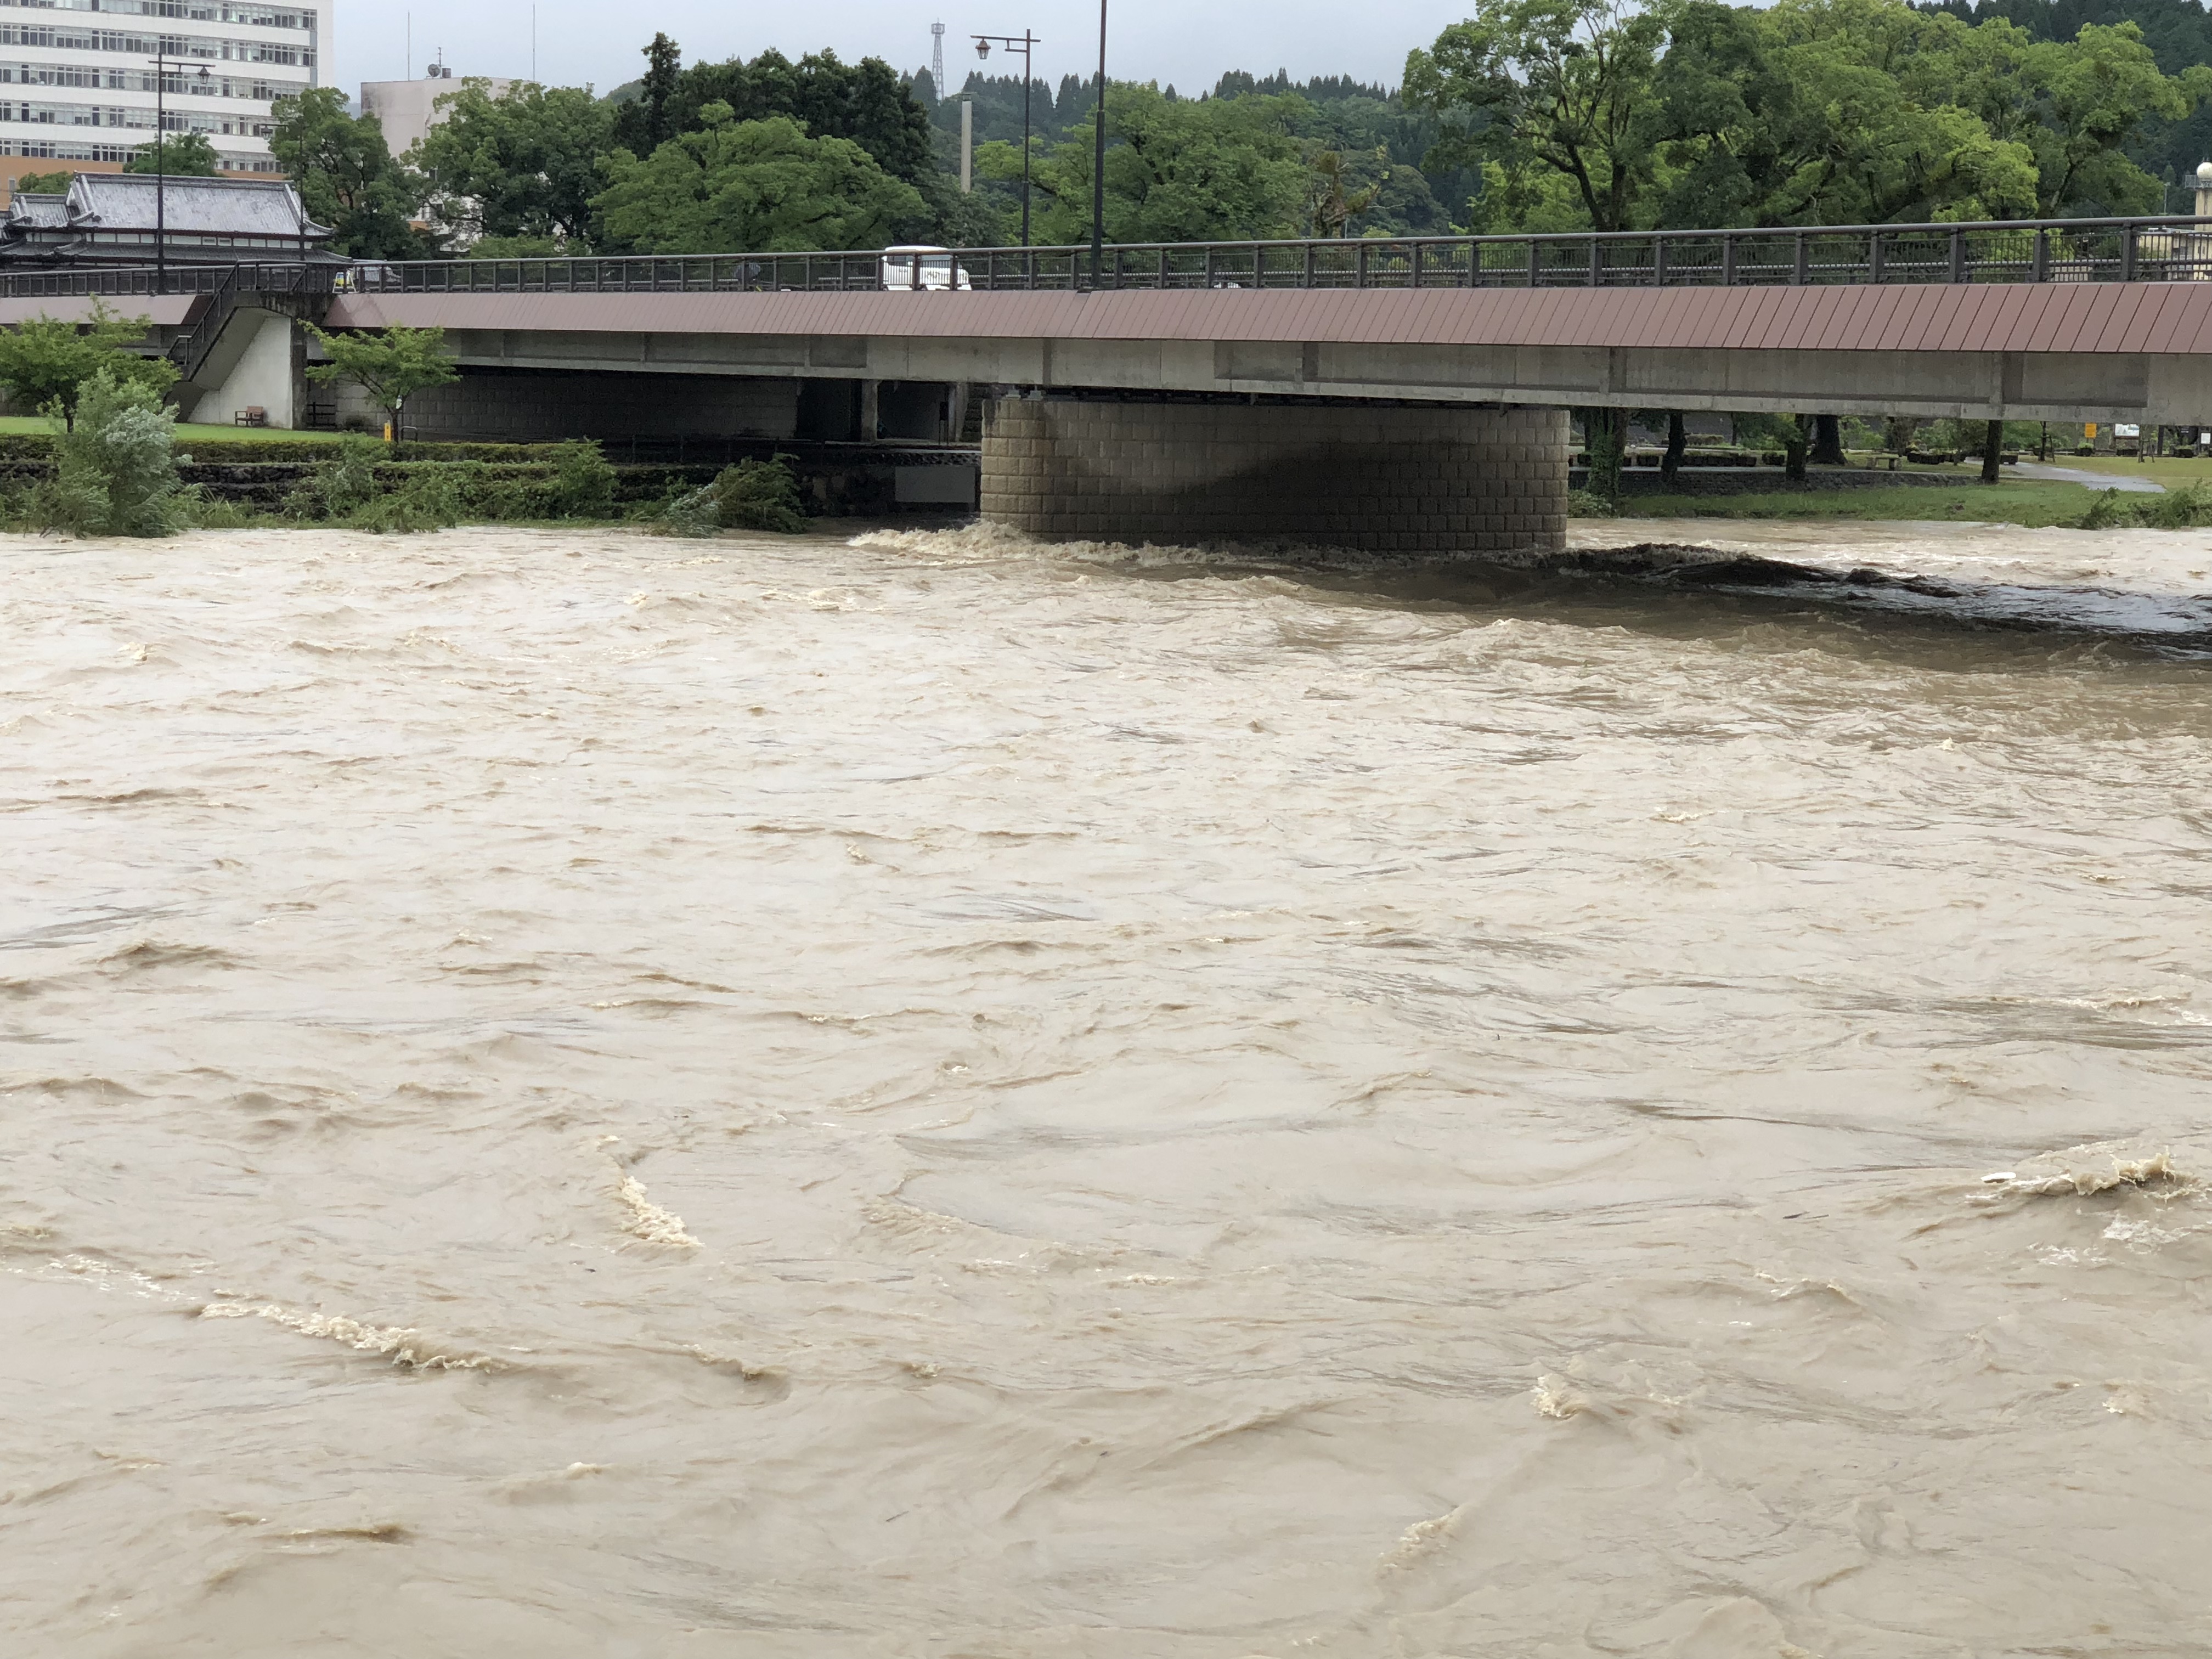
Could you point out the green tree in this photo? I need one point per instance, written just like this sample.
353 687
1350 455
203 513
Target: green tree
46 361
45 184
861 101
347 177
746 186
1334 198
1177 170
2087 102
643 123
525 163
389 364
1582 113
185 155
1563 87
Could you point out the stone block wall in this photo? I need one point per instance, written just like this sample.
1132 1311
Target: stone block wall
1436 479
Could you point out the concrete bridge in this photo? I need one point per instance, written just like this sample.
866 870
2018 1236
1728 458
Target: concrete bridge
1394 395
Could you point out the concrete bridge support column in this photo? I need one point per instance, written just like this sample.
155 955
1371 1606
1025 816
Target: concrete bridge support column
1427 479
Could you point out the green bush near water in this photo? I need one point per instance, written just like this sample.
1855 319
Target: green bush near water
429 499
360 485
2189 507
115 469
345 483
751 495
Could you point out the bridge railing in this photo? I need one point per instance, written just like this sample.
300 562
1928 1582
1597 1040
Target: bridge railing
140 282
2029 251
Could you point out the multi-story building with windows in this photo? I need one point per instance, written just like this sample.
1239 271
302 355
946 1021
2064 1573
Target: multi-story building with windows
78 78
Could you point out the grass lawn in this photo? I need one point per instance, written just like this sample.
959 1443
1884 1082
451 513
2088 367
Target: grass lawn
185 433
2021 501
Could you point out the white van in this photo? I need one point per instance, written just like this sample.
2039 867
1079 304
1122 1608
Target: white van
933 267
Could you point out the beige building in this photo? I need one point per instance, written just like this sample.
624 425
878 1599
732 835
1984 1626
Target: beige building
408 109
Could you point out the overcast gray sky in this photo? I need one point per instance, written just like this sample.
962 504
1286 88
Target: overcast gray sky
1168 41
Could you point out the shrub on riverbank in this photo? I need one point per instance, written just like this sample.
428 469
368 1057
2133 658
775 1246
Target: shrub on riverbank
343 484
429 499
115 467
751 495
361 485
2189 507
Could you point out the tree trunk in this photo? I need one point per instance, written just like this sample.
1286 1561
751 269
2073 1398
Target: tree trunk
1678 439
1794 447
1602 434
1828 441
1992 441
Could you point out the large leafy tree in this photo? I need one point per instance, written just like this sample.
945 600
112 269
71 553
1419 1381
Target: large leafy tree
742 186
347 177
1177 170
865 102
1563 87
1583 113
524 164
1874 121
2082 105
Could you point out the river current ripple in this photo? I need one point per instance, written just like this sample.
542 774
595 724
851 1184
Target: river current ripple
571 1094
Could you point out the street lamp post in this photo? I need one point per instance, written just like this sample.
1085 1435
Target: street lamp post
161 175
1022 45
162 168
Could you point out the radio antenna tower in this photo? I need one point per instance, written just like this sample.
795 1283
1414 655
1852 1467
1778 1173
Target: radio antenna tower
936 60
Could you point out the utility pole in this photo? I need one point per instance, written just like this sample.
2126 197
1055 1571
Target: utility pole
1098 163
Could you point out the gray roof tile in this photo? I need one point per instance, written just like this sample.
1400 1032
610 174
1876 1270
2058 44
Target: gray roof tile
220 207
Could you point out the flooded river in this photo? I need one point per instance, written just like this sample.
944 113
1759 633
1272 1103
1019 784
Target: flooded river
571 1094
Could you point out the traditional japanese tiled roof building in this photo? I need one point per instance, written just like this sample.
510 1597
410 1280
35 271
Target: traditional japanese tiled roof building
118 218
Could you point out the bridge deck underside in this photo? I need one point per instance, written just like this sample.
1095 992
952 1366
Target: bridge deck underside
2050 352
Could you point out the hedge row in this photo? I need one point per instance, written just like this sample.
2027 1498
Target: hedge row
38 446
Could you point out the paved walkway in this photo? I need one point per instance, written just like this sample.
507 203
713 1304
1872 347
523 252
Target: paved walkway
2119 481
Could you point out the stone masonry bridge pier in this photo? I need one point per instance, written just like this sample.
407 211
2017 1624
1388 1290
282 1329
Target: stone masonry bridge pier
1398 395
1412 478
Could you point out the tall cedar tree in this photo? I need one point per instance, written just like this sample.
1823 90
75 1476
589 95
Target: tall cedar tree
644 125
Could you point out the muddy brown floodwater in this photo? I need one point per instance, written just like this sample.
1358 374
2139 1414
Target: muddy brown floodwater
581 1095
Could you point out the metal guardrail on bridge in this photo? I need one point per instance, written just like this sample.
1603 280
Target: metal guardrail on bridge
2028 251
2014 250
143 282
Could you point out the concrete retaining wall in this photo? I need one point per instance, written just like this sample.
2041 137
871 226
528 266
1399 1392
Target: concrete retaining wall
1427 480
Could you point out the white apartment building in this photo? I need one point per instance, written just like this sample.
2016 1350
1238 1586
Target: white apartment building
77 77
